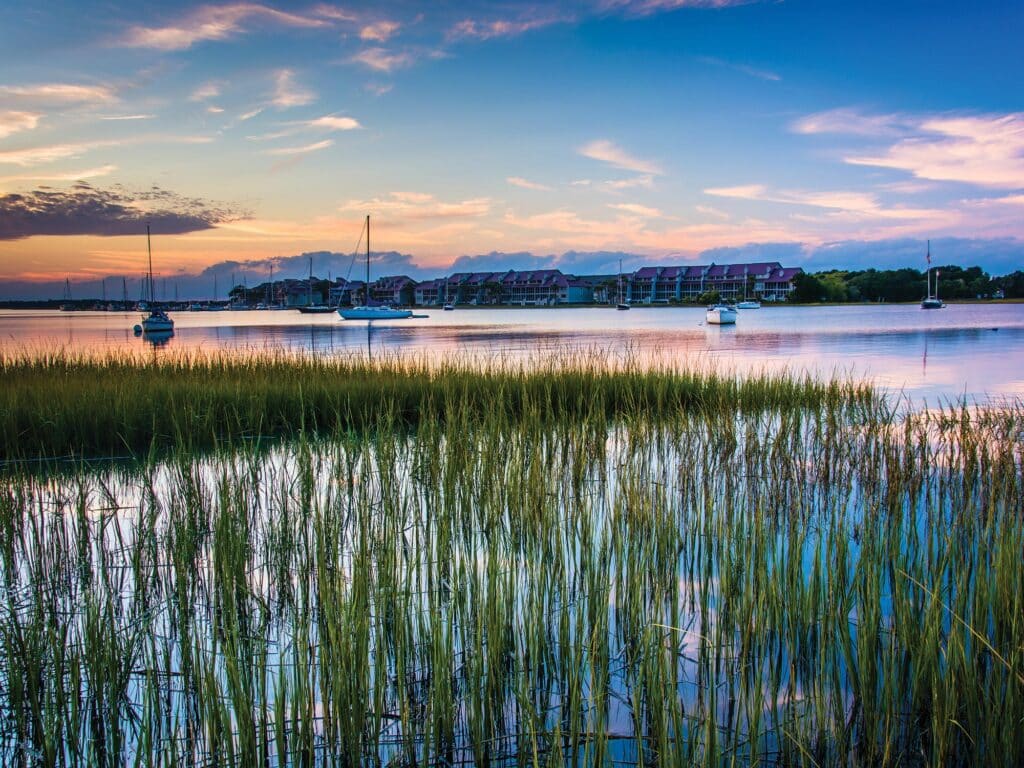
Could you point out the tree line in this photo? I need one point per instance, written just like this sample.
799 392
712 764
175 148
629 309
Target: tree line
954 282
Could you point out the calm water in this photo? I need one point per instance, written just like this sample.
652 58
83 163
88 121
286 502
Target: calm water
962 350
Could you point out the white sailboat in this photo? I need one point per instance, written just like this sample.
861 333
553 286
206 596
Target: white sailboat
448 305
620 304
157 321
931 300
368 311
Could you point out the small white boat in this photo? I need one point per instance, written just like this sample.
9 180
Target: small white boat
367 311
721 314
749 305
449 307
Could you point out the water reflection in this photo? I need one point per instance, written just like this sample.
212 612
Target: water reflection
963 350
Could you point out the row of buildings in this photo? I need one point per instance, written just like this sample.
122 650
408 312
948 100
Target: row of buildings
766 281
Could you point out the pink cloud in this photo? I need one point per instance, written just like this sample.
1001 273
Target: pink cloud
486 30
608 152
381 31
212 22
382 60
14 122
986 151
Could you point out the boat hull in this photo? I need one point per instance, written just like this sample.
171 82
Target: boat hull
374 313
749 305
721 316
316 309
932 304
157 325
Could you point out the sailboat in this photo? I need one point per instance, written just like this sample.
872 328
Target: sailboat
66 304
448 305
157 320
931 301
621 305
311 308
368 311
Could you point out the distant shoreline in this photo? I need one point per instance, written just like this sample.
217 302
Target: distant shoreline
55 305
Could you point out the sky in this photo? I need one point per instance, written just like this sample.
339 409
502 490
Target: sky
505 135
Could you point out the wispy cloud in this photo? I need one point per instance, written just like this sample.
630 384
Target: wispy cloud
707 210
47 154
87 173
636 209
519 181
86 210
617 185
852 205
15 122
250 114
760 74
210 90
418 205
127 117
303 150
287 93
380 31
852 122
334 123
608 152
328 123
650 7
61 93
985 150
383 60
213 22
486 30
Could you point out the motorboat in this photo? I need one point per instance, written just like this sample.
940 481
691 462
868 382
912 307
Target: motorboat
383 312
368 310
721 314
749 305
448 307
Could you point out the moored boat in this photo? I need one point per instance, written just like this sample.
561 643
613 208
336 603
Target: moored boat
157 321
368 310
721 314
931 300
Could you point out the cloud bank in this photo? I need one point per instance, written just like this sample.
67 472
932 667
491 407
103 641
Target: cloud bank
87 210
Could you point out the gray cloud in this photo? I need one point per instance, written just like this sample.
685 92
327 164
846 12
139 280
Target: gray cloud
86 210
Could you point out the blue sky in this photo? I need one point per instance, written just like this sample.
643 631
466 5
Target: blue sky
840 134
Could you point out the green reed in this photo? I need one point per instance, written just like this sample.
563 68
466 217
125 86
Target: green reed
118 404
570 566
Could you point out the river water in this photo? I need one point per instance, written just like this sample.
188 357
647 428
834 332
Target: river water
972 351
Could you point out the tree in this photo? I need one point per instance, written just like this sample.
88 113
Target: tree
806 289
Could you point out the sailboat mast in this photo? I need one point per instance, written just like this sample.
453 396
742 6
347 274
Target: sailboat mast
309 286
149 250
367 259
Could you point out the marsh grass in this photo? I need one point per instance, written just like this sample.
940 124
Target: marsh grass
118 404
567 567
